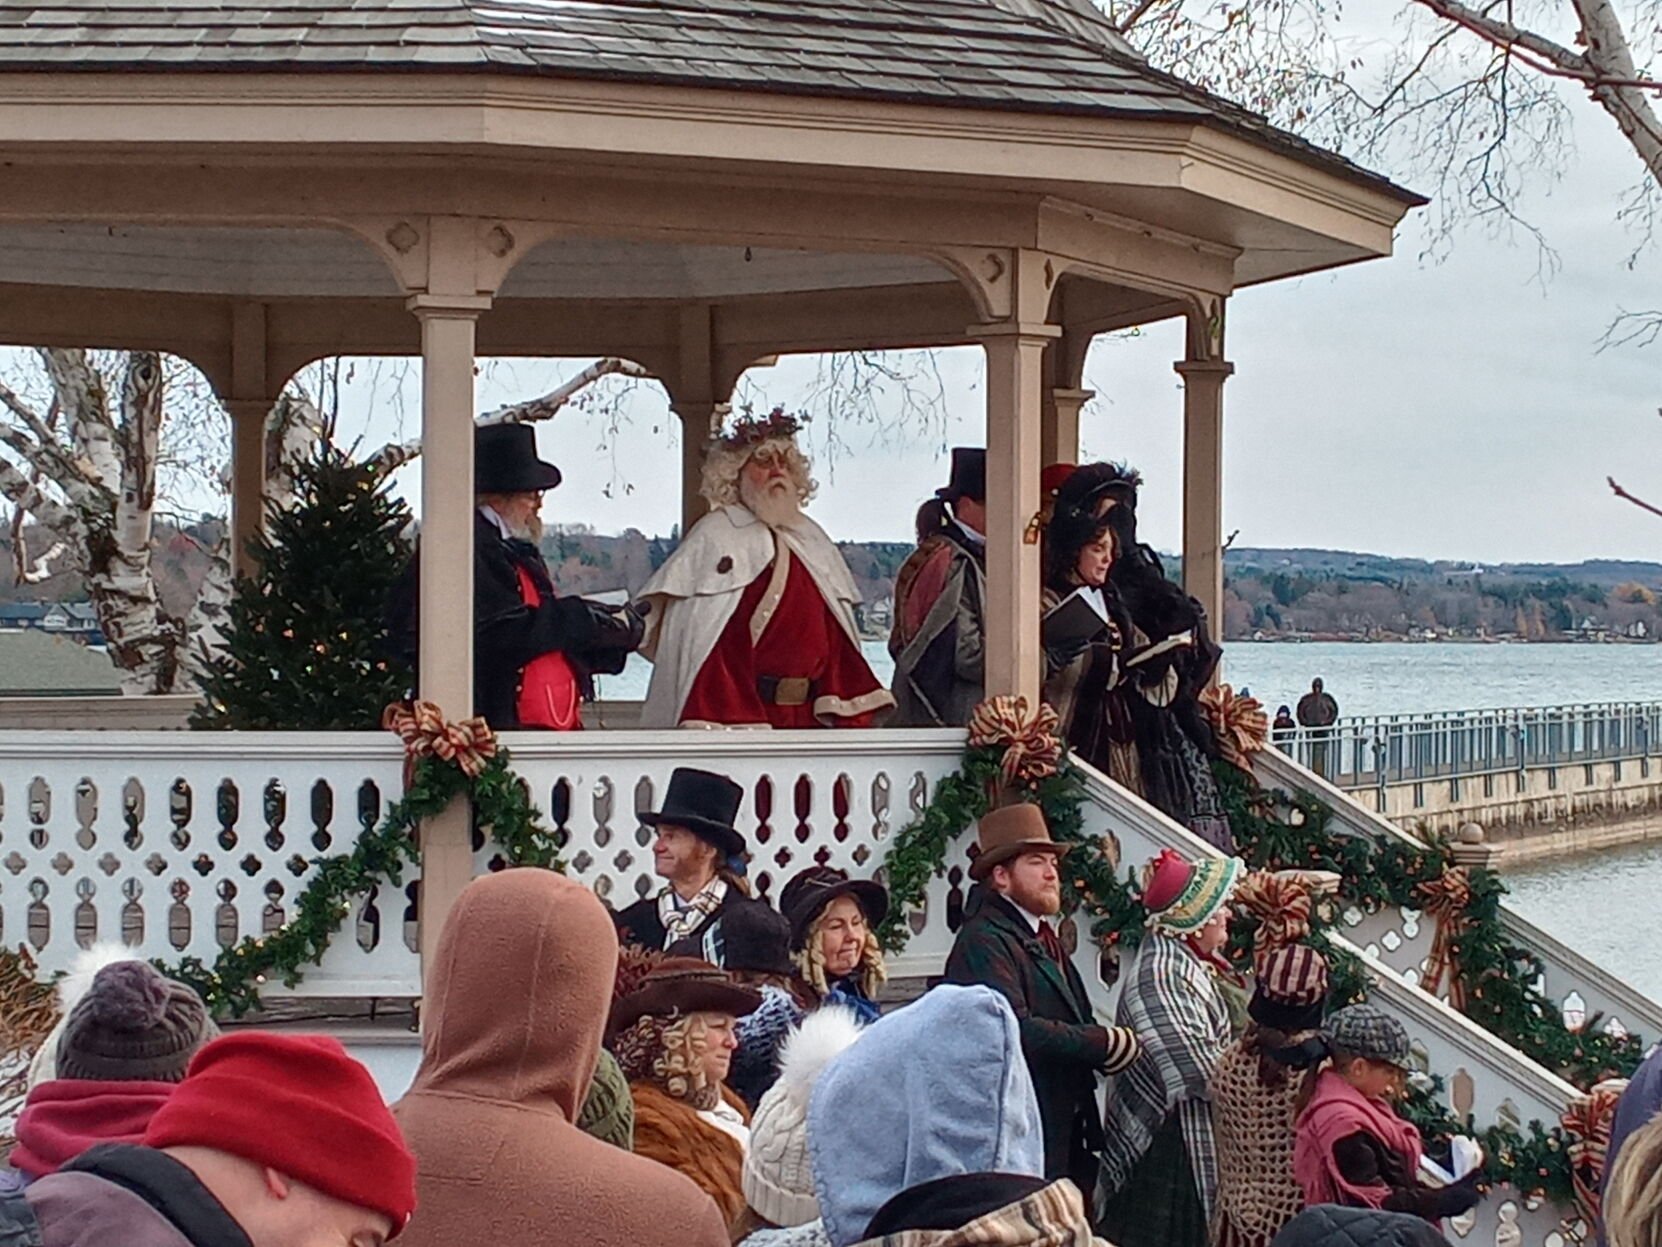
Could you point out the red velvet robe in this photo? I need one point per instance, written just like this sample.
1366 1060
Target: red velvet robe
801 639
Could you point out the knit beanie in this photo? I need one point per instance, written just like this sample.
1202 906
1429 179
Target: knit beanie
778 1180
300 1105
609 1109
133 1025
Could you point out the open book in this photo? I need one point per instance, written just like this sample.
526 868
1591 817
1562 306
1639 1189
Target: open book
1078 618
1177 640
1465 1156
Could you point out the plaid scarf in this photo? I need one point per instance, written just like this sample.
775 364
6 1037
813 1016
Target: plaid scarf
1172 1002
680 921
1051 1217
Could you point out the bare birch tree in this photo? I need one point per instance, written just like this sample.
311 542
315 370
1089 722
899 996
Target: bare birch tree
92 443
1465 99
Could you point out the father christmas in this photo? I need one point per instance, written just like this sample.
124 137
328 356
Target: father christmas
750 623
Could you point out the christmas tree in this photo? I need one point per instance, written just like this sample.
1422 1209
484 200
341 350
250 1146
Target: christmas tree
305 640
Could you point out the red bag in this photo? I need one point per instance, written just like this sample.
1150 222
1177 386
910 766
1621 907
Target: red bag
549 695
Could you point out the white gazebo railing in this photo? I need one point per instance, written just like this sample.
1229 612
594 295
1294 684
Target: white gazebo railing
179 843
1483 1077
1403 941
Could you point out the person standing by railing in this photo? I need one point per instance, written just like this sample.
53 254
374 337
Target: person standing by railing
1008 943
702 855
939 620
1318 711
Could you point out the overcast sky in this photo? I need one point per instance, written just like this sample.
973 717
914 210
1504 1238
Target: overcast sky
1459 409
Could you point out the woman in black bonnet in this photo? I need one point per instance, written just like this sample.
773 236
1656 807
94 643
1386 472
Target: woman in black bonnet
1128 697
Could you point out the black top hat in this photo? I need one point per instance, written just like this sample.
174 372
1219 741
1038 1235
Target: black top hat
705 804
969 475
757 939
806 896
505 461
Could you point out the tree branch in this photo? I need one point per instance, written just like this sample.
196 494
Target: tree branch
1539 53
1638 502
41 569
23 493
1136 15
395 455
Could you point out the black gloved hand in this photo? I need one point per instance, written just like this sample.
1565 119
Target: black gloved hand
1059 656
1461 1196
617 627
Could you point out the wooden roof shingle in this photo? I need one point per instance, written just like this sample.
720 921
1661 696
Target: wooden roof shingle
1047 56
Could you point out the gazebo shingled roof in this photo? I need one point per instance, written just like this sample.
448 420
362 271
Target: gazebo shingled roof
1058 56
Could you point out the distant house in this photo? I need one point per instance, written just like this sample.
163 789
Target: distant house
15 615
75 619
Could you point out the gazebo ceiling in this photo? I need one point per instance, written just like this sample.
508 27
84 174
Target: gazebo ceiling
271 263
799 175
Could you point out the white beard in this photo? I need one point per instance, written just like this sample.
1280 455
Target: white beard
530 531
776 505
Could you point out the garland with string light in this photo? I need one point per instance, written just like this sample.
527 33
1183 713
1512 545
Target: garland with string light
446 761
1012 756
1008 758
1494 979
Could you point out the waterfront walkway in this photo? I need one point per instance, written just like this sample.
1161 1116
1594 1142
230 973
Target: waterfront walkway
1515 771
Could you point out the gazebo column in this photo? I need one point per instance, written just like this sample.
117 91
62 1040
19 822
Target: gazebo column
448 324
1059 434
249 405
1204 371
1015 374
699 400
248 420
1063 397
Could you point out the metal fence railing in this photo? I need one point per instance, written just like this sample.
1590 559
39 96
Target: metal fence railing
1394 749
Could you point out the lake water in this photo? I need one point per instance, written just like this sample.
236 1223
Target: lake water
1388 678
1603 905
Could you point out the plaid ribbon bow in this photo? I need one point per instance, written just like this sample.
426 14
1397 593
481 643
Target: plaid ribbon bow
421 726
1239 723
1031 748
1447 899
1589 1118
1281 903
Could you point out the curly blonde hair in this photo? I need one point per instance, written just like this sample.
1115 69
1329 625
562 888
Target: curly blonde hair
1633 1195
669 1051
722 464
810 961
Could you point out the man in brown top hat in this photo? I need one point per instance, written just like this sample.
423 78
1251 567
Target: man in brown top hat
1009 944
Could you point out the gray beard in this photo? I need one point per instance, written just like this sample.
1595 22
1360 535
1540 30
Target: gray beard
530 531
775 508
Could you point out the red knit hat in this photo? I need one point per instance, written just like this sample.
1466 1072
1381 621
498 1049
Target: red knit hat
300 1105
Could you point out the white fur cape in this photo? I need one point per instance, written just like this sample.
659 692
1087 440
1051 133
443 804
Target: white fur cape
696 591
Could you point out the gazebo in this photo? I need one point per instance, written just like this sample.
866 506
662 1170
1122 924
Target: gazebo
694 185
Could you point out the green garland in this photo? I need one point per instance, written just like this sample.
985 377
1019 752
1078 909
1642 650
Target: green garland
1276 832
501 808
919 850
1536 1164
